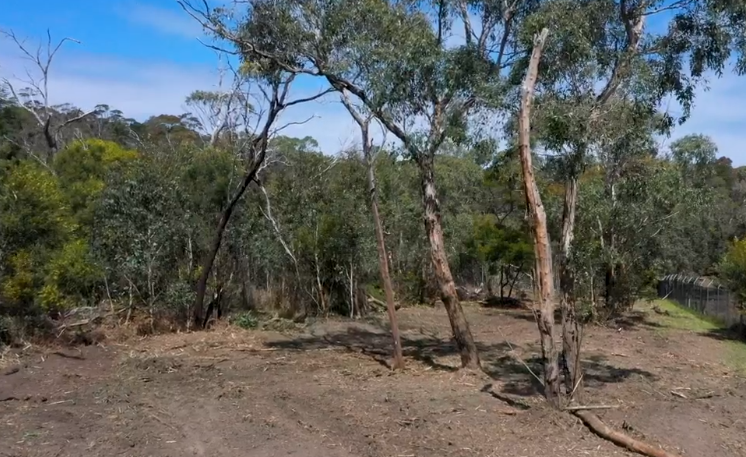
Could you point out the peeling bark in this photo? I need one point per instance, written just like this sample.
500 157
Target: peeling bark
460 327
571 330
538 223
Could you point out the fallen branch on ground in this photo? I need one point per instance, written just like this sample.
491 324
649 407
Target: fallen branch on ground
618 438
378 302
589 407
68 356
660 311
90 320
514 355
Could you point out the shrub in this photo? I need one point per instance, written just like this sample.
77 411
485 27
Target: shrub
247 320
732 269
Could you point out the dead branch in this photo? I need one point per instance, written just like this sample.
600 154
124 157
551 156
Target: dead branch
90 320
590 407
68 356
267 213
40 88
380 303
620 439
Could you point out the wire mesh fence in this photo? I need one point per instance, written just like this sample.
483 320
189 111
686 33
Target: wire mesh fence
704 296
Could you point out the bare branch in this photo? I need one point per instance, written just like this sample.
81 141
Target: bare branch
289 124
267 212
41 87
308 99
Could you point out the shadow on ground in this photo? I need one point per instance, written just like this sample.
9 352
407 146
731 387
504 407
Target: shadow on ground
735 333
633 319
520 377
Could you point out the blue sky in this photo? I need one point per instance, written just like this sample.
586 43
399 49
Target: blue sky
143 57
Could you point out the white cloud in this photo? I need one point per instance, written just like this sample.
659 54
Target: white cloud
142 88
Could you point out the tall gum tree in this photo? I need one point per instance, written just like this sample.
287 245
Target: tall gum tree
538 223
606 58
398 58
539 228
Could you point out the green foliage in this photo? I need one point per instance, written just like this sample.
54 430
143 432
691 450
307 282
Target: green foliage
247 320
494 243
43 263
71 275
33 207
138 233
733 268
82 168
131 210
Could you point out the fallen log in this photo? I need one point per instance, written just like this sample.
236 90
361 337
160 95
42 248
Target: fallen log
380 303
620 439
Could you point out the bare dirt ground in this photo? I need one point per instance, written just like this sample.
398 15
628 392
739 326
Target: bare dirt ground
323 391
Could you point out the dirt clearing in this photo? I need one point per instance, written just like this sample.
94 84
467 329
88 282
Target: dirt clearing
324 391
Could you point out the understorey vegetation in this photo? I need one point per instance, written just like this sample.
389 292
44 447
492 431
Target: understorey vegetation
528 164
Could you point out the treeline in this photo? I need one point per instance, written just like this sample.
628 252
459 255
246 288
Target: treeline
127 218
124 212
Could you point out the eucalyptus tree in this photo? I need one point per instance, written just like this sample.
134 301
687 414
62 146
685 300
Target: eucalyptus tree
538 223
404 62
605 58
222 111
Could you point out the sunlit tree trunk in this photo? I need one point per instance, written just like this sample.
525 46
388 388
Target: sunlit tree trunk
460 327
383 264
571 330
538 222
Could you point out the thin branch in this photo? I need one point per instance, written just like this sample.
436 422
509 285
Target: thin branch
590 407
289 124
268 215
308 99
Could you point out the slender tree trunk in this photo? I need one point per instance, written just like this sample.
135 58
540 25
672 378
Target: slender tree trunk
610 241
50 138
502 282
425 161
571 331
383 266
538 222
258 150
512 283
383 261
352 290
459 325
217 239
